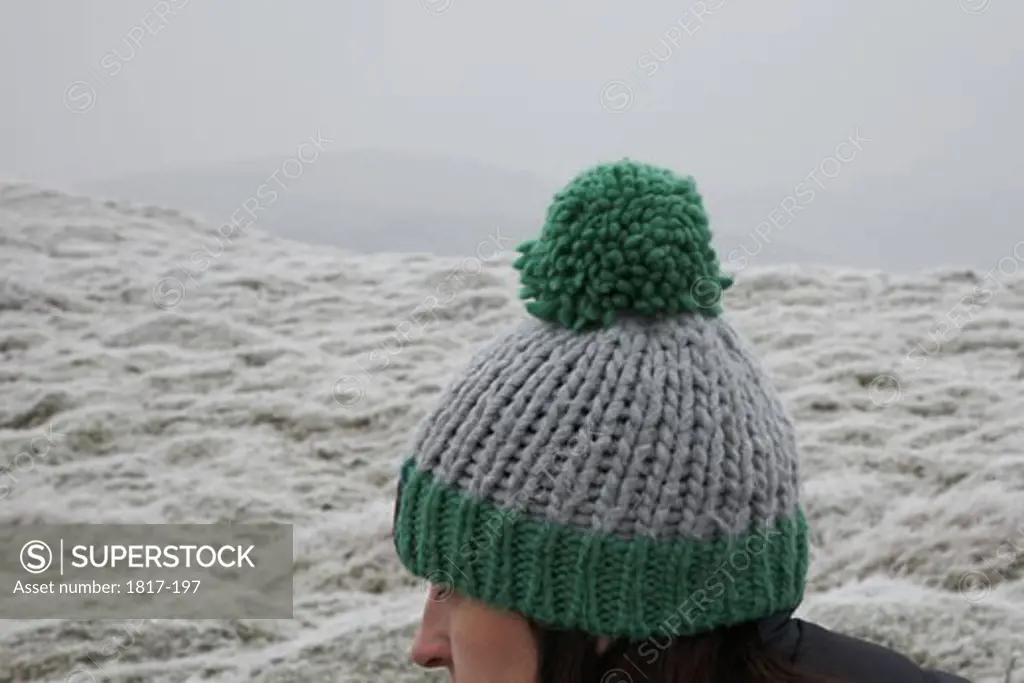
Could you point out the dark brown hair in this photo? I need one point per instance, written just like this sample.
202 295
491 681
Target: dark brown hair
733 655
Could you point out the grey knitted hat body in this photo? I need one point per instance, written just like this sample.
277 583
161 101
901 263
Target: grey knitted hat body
619 463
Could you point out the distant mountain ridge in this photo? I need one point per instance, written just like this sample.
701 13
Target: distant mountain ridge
363 200
376 200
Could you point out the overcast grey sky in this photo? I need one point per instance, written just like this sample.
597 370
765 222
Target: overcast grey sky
749 91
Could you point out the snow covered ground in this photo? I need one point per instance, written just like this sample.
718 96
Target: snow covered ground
274 381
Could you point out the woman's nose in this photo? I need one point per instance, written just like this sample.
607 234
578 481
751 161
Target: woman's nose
431 650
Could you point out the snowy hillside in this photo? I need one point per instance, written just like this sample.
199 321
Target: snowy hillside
266 380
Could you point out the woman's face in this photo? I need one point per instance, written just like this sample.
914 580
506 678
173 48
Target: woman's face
475 643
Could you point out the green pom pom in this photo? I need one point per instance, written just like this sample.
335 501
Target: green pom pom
622 239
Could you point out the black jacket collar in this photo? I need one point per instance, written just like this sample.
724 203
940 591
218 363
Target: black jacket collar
781 632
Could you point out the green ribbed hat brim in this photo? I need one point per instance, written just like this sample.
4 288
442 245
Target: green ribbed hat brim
604 585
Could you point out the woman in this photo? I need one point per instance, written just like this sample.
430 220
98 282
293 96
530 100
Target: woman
609 492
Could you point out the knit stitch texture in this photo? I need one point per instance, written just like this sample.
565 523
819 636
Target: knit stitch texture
622 237
619 462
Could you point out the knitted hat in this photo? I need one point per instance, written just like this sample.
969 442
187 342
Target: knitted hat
619 462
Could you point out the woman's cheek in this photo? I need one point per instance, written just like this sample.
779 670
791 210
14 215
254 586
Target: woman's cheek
492 647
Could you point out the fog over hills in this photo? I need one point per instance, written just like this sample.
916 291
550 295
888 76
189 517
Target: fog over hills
237 267
376 200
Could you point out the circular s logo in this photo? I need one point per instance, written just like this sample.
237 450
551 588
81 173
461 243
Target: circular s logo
348 390
79 97
437 7
885 391
975 6
36 557
168 292
616 97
